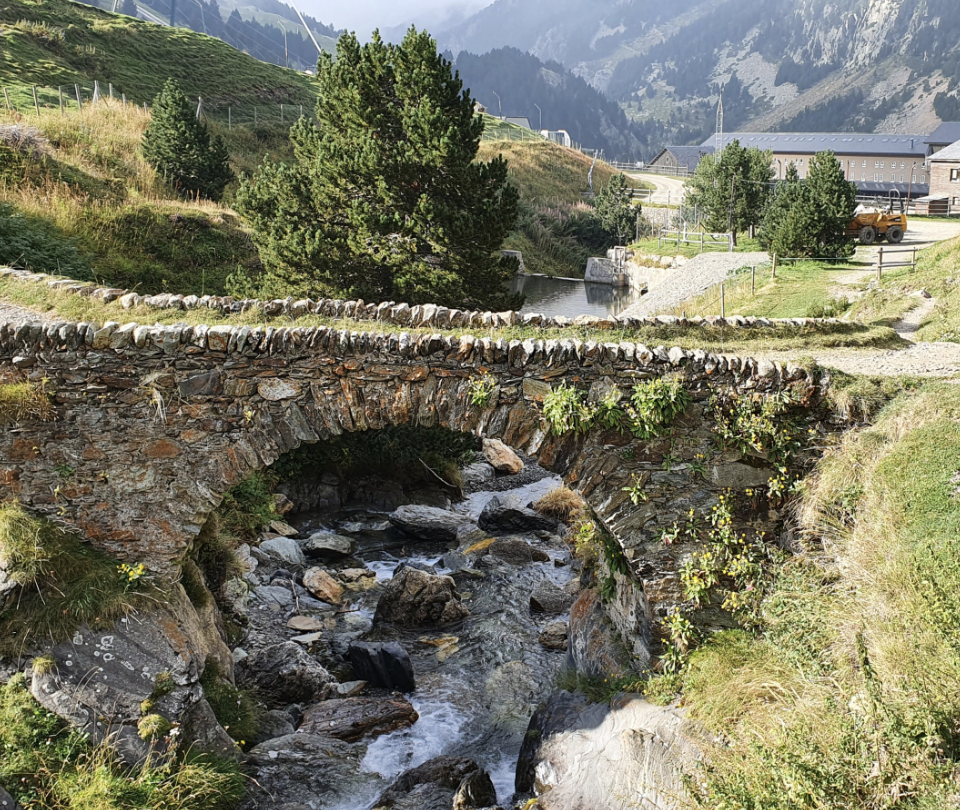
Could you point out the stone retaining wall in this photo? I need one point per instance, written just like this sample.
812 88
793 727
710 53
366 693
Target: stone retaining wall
421 316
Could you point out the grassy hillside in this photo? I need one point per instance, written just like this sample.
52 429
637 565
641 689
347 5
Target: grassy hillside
556 232
848 692
57 42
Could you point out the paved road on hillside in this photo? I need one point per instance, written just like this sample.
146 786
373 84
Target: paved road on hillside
669 190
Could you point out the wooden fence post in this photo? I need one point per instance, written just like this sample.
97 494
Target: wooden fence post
774 265
6 96
723 300
76 89
880 265
36 104
60 94
229 117
753 280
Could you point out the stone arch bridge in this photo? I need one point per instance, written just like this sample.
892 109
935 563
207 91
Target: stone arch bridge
154 424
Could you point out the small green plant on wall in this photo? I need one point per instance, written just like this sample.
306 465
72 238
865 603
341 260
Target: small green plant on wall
651 408
481 390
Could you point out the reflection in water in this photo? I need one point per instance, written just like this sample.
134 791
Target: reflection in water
570 297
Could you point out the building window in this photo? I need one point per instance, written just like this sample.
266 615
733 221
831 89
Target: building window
923 178
876 164
901 178
853 163
955 175
863 178
881 164
914 180
864 165
903 164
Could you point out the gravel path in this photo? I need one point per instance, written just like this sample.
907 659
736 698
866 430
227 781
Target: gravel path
694 278
10 313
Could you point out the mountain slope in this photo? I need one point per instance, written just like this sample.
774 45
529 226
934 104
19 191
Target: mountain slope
851 64
57 42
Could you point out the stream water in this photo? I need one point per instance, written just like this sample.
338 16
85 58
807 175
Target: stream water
478 681
571 297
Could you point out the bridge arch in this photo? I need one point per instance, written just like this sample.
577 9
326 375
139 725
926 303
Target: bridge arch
154 424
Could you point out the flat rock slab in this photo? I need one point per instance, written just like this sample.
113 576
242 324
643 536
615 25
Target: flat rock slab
328 544
429 522
351 719
501 514
516 551
549 598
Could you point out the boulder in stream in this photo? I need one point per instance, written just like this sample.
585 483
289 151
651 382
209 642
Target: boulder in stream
385 665
502 457
550 598
327 545
516 551
304 770
414 598
429 522
554 636
502 515
282 550
624 755
323 586
351 719
441 783
284 673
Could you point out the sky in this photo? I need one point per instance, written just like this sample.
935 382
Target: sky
363 16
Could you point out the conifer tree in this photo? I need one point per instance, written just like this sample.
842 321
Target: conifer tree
615 209
807 218
179 147
385 199
732 192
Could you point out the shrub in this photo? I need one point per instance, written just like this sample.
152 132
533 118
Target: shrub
561 503
179 147
654 404
235 709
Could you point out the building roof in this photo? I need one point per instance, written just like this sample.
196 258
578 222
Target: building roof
688 156
949 154
847 143
948 132
519 120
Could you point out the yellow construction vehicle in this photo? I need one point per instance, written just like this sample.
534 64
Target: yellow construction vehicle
872 225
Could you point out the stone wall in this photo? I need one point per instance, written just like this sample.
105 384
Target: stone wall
421 316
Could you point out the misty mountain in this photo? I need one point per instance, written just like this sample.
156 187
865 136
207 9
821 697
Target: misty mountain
566 101
810 64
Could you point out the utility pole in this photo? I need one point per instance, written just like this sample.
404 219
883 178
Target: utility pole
173 11
733 178
541 115
306 27
286 55
499 105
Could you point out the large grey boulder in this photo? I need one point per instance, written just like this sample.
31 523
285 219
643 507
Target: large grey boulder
550 598
274 723
502 515
429 522
328 545
353 718
384 665
305 771
620 756
414 598
100 678
516 551
283 550
284 673
440 784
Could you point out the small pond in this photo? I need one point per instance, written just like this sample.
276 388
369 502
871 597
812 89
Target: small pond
571 297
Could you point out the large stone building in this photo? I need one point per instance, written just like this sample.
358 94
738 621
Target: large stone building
944 194
877 163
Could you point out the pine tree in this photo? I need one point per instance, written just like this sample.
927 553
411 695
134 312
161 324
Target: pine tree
615 209
179 147
807 219
732 192
385 199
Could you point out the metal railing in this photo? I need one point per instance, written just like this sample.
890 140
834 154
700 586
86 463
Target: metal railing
703 239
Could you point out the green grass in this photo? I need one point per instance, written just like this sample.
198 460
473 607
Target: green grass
848 695
800 340
57 42
46 765
63 582
936 272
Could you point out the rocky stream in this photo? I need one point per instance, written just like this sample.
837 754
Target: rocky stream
432 630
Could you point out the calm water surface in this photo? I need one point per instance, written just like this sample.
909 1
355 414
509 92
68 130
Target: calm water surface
567 297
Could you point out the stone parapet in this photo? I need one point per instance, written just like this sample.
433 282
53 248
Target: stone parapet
420 316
